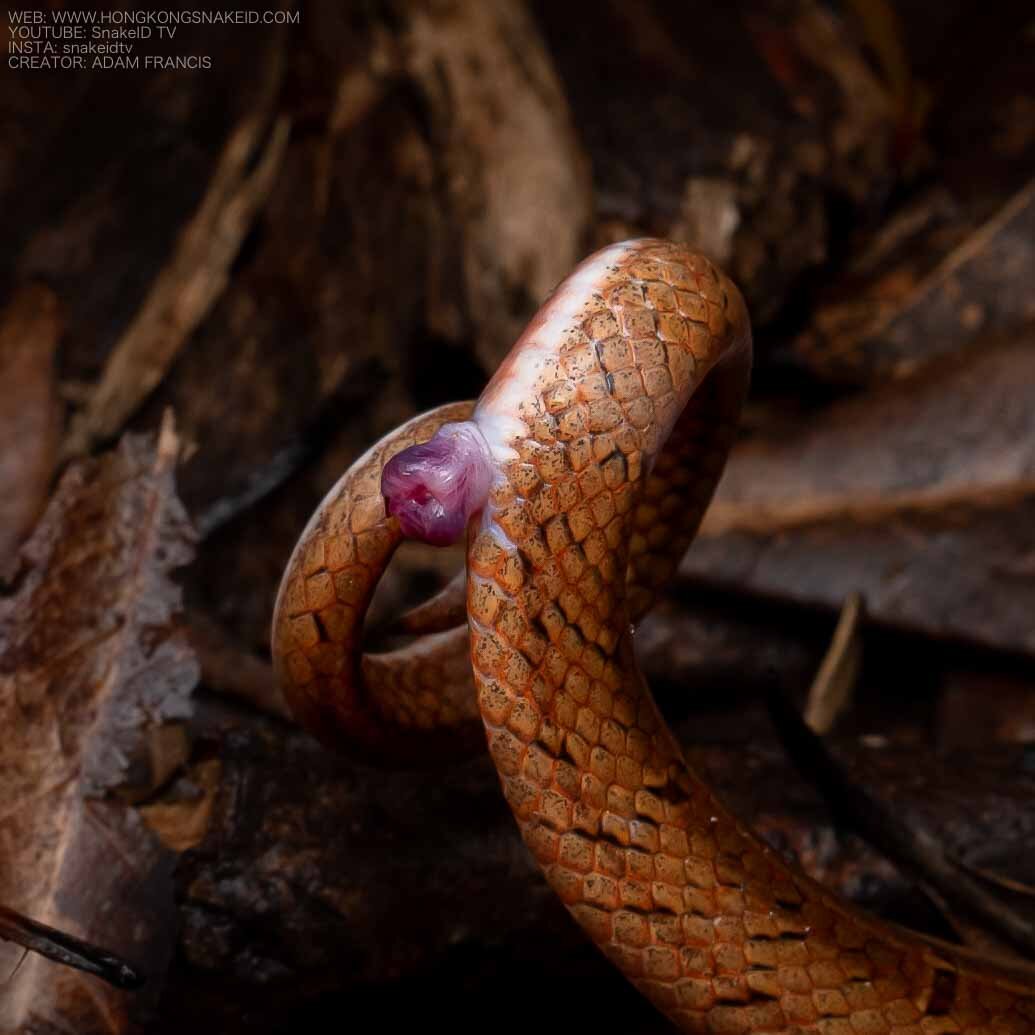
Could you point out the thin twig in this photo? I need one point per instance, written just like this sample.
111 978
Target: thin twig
832 689
67 950
1014 887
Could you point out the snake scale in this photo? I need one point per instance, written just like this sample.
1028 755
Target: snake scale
581 476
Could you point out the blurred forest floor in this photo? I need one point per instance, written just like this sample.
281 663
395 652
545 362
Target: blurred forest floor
217 288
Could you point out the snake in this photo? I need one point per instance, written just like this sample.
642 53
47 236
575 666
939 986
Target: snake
578 480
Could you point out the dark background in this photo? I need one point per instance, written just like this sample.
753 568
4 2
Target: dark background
348 220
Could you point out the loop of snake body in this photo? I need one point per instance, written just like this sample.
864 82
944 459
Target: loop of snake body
584 470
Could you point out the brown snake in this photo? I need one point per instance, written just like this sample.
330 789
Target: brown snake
593 453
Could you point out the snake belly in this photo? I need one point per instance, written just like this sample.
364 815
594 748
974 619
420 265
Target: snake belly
608 425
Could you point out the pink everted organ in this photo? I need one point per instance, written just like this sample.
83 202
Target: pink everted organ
434 488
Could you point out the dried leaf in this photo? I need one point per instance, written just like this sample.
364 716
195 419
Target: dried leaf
920 496
964 434
89 669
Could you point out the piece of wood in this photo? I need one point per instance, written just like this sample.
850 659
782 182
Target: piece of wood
90 672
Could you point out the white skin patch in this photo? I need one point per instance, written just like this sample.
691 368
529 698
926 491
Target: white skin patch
512 391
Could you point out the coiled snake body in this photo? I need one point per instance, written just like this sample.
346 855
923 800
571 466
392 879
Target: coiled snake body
585 468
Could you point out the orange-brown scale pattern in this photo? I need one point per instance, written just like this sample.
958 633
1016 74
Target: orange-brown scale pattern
703 917
367 703
579 533
380 706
